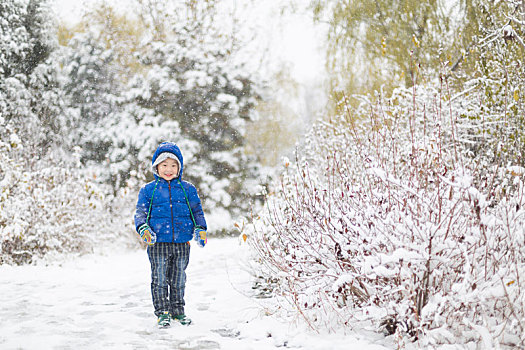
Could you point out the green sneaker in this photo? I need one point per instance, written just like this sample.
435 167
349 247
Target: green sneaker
164 320
182 319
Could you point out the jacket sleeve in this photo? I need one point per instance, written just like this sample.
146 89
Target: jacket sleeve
196 208
141 211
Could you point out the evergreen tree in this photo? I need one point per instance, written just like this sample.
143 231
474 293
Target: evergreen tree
38 213
30 101
98 61
212 104
92 90
180 84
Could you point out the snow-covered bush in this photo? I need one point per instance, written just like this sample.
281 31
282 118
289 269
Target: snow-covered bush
41 214
50 208
388 217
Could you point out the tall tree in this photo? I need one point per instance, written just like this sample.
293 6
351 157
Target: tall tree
92 87
477 45
29 89
377 42
181 85
37 174
491 68
212 104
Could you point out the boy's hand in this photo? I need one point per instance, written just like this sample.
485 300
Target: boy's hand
147 235
199 235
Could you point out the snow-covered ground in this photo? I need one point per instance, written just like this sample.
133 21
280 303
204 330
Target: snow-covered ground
102 301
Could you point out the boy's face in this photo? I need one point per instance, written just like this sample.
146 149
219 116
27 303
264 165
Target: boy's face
168 169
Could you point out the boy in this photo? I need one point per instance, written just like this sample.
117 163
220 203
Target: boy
164 220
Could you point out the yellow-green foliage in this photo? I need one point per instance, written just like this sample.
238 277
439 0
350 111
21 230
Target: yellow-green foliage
476 47
271 134
375 43
277 128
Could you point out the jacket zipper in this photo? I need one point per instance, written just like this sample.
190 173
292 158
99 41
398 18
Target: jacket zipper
171 209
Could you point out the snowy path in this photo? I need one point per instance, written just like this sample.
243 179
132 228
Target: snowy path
103 302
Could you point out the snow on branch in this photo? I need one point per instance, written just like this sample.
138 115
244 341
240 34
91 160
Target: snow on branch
381 222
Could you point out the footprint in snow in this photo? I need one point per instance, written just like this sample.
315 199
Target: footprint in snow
227 332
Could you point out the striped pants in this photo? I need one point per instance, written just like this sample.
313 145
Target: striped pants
168 277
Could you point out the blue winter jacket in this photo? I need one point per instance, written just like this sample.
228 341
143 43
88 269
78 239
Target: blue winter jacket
170 216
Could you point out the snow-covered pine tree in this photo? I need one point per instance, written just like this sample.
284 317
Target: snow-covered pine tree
183 86
212 103
46 205
92 90
29 91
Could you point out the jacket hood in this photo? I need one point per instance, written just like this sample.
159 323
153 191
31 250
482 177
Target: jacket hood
171 148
